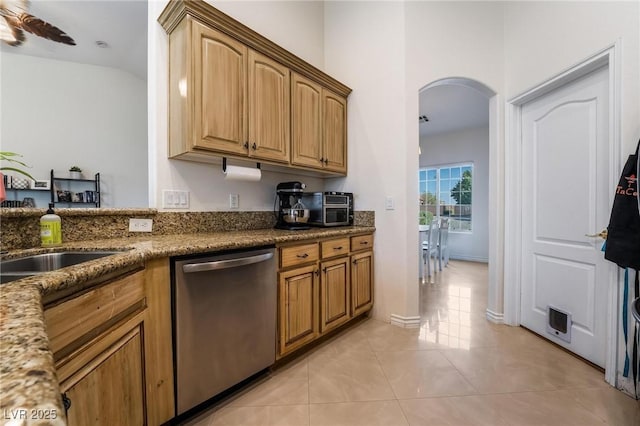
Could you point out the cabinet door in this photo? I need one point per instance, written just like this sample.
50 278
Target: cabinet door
298 307
269 109
306 121
361 282
110 389
335 132
219 76
334 293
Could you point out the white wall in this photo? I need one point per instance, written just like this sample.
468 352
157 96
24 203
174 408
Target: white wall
364 49
544 38
456 39
465 146
388 51
58 114
296 26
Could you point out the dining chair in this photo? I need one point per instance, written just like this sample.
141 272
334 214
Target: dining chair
443 243
423 235
430 247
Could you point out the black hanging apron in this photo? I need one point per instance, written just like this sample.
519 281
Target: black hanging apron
623 232
623 248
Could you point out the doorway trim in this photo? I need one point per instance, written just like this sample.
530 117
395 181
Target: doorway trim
610 58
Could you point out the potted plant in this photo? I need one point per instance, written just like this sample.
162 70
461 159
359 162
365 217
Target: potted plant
11 158
425 219
75 172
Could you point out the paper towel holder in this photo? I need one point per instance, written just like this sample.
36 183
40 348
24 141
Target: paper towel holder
224 164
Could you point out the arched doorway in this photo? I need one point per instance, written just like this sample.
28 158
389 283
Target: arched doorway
493 224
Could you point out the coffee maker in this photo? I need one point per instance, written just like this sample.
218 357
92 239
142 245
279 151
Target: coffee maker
291 214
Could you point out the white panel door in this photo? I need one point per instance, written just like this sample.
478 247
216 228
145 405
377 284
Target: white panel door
565 169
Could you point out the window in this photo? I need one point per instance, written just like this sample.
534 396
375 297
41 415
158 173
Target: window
445 192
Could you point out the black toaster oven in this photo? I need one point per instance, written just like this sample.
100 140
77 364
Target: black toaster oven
329 208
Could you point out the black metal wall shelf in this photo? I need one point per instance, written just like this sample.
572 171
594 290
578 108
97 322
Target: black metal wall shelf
67 196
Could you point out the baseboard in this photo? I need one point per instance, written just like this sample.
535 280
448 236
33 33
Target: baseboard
495 317
454 256
405 322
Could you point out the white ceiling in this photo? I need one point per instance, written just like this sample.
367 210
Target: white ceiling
122 24
452 107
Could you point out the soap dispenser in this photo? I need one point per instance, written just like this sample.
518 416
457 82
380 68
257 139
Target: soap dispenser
50 228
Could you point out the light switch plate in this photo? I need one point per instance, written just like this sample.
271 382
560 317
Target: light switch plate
175 199
234 201
168 199
140 225
389 203
183 199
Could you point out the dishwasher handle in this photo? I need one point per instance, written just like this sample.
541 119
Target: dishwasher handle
225 264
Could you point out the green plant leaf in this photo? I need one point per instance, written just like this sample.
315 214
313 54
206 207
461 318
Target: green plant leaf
7 156
13 169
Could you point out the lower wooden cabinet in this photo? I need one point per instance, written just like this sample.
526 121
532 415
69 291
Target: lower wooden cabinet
361 282
321 286
334 293
297 307
109 389
112 349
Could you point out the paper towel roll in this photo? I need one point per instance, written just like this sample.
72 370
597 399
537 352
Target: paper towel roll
249 174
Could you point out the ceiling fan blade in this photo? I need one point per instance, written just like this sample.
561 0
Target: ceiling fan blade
42 28
10 34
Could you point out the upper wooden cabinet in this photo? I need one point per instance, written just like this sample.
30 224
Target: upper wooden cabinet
240 98
269 109
319 126
236 94
306 122
335 132
219 90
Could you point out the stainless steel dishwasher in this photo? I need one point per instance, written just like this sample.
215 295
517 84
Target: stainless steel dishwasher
224 312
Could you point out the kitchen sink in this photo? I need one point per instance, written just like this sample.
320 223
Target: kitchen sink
14 269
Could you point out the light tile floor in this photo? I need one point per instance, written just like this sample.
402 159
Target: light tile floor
456 369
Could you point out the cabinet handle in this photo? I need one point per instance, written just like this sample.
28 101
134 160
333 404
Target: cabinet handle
338 248
321 159
66 402
302 256
254 146
246 145
355 262
324 270
364 242
317 272
326 161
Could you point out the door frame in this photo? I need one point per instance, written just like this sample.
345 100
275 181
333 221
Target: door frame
609 57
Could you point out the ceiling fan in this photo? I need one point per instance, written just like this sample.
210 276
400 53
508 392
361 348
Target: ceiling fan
16 19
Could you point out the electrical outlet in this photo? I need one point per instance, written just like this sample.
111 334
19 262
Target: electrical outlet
140 225
234 201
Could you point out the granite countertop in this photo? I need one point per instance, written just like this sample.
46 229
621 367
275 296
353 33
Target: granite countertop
27 375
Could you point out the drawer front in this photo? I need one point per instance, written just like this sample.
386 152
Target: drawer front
298 255
92 312
333 248
362 242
